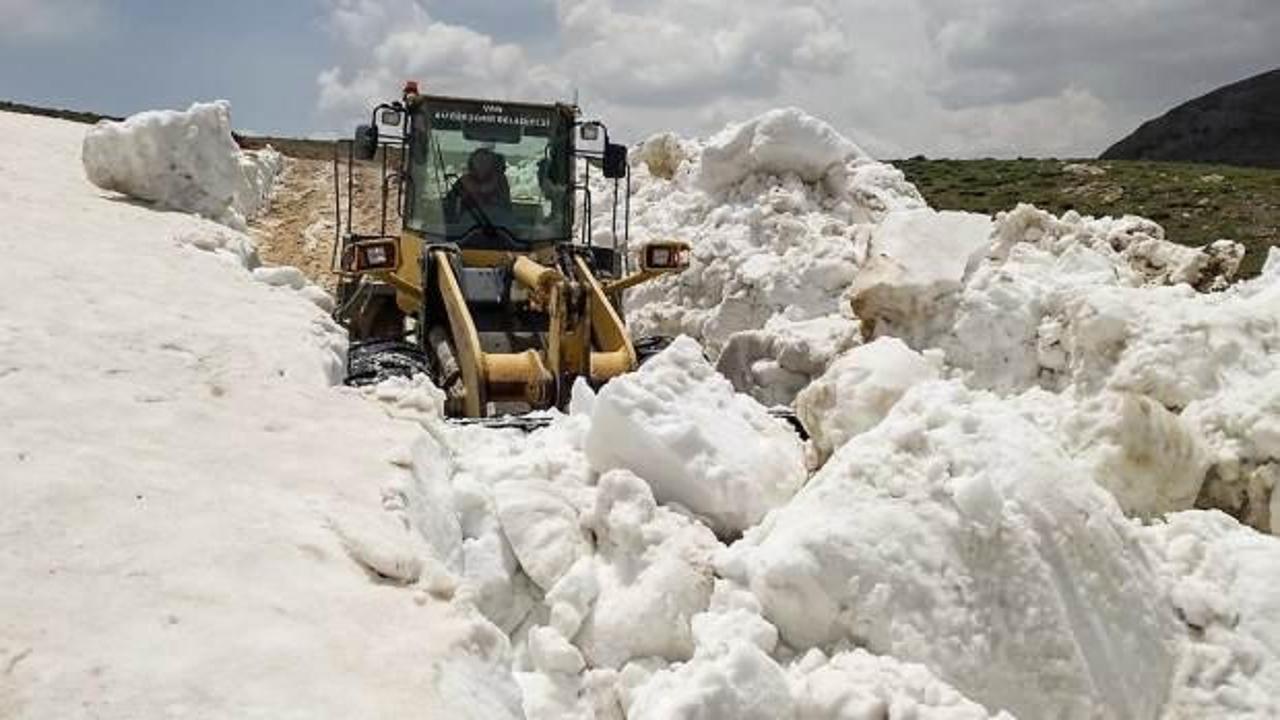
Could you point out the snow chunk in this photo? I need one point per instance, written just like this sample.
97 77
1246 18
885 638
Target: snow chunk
662 154
776 362
785 140
652 570
958 535
185 161
474 681
859 389
916 264
741 682
541 524
681 427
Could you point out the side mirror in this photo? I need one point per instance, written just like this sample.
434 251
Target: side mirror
366 142
615 161
389 117
667 256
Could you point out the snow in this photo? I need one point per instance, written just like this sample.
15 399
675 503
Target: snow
695 441
182 160
1222 589
775 143
958 535
174 461
859 389
1012 419
652 570
778 211
916 261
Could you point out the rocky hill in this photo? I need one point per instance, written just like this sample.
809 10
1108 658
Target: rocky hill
1235 125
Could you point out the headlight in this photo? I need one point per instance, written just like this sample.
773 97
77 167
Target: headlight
375 256
370 255
665 256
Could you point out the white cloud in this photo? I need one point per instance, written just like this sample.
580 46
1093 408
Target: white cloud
678 52
392 41
45 20
942 77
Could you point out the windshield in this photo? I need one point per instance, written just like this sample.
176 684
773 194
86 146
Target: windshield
489 175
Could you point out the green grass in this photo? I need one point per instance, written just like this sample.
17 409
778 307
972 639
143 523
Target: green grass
1243 206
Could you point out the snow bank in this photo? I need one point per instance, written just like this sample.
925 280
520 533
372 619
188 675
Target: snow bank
192 523
698 444
958 535
182 160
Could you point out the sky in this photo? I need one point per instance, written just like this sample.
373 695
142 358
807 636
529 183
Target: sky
943 78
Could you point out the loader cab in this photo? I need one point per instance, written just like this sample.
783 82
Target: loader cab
489 175
493 175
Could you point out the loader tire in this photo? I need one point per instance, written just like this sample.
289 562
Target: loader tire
369 363
647 348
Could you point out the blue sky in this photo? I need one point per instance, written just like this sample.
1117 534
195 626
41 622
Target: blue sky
941 77
140 54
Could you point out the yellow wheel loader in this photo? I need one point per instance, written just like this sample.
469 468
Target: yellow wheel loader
491 279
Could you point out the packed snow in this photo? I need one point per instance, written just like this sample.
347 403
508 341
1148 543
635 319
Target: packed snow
185 493
1012 420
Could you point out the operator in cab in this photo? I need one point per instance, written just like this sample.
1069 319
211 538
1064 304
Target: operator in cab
483 187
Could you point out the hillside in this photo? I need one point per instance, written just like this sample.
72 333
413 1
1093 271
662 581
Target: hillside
1195 203
1238 124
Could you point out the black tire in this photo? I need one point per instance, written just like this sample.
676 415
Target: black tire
647 348
369 363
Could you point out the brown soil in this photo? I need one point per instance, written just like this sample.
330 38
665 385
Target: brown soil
298 229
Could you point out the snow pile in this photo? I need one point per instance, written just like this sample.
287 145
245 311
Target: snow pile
1046 306
606 586
1192 374
778 211
182 160
1129 240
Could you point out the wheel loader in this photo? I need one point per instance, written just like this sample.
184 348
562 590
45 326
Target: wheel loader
486 271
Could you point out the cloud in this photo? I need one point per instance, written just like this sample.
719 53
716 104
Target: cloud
34 21
393 41
942 77
677 52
